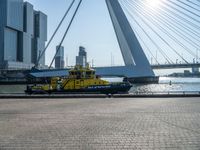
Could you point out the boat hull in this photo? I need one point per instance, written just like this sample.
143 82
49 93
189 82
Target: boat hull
100 89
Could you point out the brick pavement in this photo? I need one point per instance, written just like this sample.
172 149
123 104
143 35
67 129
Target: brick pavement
89 124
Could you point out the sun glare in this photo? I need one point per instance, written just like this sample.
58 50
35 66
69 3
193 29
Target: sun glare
154 3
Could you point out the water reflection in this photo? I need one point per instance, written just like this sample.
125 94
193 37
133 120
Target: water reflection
166 84
177 84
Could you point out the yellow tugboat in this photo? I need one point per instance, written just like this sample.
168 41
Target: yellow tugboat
80 80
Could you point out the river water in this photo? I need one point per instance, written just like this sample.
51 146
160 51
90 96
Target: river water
167 84
177 85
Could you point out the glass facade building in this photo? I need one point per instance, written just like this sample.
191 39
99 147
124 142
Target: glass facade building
81 59
59 60
18 38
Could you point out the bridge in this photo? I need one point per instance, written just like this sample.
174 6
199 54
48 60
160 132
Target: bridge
175 66
169 66
144 28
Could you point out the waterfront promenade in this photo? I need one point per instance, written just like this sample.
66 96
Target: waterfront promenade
101 123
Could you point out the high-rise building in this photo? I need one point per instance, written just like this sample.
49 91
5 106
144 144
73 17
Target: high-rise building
23 33
40 36
81 59
59 59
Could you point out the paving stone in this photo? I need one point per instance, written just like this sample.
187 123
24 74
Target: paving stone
95 124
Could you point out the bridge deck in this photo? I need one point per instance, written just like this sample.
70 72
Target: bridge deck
175 66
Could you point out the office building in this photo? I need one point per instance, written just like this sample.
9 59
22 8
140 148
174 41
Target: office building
40 36
81 59
59 60
23 33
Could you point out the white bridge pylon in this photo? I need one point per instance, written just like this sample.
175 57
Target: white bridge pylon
136 62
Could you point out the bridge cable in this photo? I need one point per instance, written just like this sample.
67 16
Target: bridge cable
53 35
156 45
172 20
173 29
174 14
161 37
191 32
63 38
171 36
161 51
181 12
178 33
188 5
183 8
193 3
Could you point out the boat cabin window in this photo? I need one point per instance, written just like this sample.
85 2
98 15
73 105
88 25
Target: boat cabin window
71 73
82 73
78 75
88 73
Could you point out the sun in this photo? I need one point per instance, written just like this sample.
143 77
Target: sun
154 3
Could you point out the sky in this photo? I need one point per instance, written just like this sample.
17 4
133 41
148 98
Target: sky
92 28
